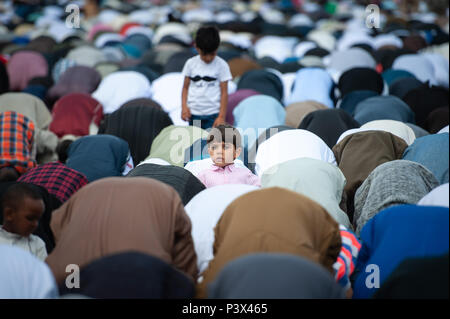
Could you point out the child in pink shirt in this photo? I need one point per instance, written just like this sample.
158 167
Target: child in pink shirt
224 146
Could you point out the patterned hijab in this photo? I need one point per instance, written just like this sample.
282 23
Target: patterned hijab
56 178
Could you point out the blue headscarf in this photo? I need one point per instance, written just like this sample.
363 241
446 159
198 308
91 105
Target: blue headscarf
396 234
383 108
256 114
312 84
98 156
432 152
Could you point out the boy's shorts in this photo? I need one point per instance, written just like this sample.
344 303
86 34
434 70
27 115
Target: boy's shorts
203 121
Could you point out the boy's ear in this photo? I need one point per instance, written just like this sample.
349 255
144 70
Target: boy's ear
8 214
237 153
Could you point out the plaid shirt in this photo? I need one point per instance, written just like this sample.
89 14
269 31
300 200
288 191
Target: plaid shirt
16 141
345 264
56 178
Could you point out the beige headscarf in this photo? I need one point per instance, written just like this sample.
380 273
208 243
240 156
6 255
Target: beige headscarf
273 220
295 112
28 105
120 214
34 109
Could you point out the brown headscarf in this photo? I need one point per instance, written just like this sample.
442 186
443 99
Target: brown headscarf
120 214
297 111
239 66
359 154
273 220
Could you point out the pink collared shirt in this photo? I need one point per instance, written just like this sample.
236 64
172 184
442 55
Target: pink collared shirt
230 174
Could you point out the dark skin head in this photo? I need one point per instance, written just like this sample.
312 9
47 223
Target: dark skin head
24 218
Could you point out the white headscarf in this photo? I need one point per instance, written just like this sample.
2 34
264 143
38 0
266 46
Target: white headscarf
87 56
341 61
120 87
320 181
437 197
397 128
441 68
278 48
387 39
443 130
23 276
418 65
323 38
167 92
288 80
303 47
352 37
205 210
172 28
289 145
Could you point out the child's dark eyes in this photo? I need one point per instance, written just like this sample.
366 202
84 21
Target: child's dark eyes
32 219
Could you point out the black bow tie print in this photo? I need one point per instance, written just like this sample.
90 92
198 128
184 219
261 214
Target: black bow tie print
204 78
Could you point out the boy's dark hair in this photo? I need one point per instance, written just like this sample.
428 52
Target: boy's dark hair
62 150
15 194
225 133
207 39
8 174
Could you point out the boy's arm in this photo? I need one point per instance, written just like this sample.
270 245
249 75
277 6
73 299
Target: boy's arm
223 104
185 112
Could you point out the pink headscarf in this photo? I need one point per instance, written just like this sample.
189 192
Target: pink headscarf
23 66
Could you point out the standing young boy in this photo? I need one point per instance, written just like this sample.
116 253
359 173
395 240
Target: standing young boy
205 89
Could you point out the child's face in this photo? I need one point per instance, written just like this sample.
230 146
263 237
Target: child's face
24 220
223 154
207 58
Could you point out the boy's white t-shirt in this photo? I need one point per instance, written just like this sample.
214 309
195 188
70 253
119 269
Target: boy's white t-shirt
33 244
204 96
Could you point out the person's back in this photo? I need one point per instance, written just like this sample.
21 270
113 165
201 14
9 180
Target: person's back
205 89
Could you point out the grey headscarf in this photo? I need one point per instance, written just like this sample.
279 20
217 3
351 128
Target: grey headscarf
393 183
274 276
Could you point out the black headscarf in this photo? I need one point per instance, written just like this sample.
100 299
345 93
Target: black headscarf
319 52
262 81
437 119
328 124
51 203
132 275
138 125
177 61
417 278
359 79
387 56
424 100
4 79
274 276
402 86
143 102
183 181
351 100
144 70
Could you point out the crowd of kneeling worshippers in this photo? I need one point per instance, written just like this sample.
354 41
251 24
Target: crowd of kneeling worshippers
224 149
